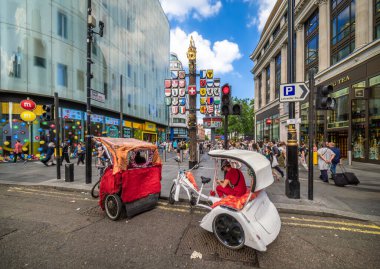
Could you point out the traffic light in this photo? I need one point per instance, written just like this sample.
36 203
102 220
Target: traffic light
226 100
236 109
48 114
323 101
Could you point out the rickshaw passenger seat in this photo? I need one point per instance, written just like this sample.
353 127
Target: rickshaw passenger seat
205 180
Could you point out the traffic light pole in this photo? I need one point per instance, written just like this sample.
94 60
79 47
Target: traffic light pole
311 136
292 184
226 132
88 109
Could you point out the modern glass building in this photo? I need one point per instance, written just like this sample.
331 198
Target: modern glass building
43 50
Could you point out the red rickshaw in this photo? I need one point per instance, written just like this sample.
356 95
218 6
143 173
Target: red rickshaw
131 184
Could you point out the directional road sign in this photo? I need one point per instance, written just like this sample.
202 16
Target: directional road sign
293 92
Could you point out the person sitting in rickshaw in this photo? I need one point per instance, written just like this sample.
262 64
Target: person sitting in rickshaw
139 159
234 182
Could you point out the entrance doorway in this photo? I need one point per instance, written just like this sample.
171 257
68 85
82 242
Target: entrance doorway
340 138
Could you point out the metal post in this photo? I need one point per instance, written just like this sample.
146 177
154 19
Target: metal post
121 131
191 55
88 123
57 144
292 184
311 135
226 132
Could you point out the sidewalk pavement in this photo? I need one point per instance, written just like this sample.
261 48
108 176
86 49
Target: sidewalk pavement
357 202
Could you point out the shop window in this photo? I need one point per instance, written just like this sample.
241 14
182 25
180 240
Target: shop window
62 25
339 117
376 19
342 29
358 115
374 124
277 76
62 75
374 81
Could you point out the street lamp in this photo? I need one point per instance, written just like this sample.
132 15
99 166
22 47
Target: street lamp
91 24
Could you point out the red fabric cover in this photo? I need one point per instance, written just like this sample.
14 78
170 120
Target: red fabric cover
234 201
134 183
139 183
191 178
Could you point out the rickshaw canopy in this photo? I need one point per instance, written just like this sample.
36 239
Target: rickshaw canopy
119 148
253 160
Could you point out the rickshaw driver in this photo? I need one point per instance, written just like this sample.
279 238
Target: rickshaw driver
234 182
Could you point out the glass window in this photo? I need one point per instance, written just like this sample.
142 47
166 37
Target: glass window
376 19
374 81
62 75
342 29
276 31
266 45
374 124
358 116
267 90
311 44
39 61
278 75
62 24
259 91
338 117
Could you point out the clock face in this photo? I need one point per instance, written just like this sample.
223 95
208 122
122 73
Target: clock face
191 55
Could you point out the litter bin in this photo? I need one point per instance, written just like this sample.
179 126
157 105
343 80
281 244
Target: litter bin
69 172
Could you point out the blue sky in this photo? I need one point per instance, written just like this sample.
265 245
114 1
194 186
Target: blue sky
225 34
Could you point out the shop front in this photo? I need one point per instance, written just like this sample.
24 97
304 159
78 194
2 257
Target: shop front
150 132
268 125
354 125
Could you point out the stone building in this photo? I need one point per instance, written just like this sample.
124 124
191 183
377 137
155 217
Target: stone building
340 40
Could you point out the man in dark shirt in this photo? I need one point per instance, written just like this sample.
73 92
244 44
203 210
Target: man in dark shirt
234 182
336 159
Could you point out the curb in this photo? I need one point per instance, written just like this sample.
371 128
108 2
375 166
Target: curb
281 207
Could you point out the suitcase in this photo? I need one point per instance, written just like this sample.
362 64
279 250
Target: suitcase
340 179
351 177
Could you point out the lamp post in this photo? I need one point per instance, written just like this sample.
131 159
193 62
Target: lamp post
192 57
91 24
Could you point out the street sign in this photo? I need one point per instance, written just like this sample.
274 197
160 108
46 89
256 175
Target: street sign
98 96
293 121
293 92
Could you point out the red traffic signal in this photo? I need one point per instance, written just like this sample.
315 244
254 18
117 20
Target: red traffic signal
226 89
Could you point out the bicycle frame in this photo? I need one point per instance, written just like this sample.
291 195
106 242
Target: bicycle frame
182 182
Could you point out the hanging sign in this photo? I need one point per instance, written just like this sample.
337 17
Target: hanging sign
210 83
182 101
202 109
203 100
182 109
182 83
217 100
217 82
174 74
168 92
210 109
192 90
175 110
181 92
168 83
216 91
28 116
175 83
28 105
210 74
181 74
174 92
202 83
210 91
168 101
202 91
202 74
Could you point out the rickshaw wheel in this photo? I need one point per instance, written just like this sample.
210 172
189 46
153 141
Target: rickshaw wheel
113 206
95 189
171 194
228 231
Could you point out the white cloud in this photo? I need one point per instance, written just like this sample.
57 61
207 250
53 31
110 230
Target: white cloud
218 56
264 9
180 10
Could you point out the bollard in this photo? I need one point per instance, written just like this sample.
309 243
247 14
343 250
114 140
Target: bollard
315 158
164 155
69 172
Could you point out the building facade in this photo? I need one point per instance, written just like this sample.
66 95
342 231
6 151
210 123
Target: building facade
340 41
43 50
177 123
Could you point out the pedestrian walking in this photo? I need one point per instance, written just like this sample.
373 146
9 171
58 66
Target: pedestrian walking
18 152
49 155
81 151
276 154
65 152
325 156
336 159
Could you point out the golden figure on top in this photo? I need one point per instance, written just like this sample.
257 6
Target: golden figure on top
192 51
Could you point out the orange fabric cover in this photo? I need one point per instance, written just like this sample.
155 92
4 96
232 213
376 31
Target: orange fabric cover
234 201
119 148
191 178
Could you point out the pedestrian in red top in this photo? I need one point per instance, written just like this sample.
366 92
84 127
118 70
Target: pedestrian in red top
18 152
234 182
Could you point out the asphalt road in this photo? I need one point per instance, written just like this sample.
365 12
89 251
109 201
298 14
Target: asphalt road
48 228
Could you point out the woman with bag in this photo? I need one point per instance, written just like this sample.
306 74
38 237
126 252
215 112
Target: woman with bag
273 160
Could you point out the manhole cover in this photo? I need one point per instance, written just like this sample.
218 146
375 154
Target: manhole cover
197 239
95 211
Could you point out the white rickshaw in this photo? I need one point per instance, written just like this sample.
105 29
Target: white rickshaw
251 219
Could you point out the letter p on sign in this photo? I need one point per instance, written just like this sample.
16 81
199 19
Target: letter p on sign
289 90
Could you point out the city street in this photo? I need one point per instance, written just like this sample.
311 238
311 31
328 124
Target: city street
47 228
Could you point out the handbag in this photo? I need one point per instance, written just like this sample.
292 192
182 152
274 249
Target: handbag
351 177
274 161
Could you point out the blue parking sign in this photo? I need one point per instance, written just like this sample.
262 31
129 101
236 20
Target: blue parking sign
290 90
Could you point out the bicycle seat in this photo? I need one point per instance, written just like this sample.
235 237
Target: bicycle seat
205 180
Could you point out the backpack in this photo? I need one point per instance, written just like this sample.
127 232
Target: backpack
337 155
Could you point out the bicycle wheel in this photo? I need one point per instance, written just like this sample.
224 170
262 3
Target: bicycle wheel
228 231
113 206
95 189
171 194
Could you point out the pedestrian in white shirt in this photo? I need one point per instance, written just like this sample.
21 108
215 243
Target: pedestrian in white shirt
325 156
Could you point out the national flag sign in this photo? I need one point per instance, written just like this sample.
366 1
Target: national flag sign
192 90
